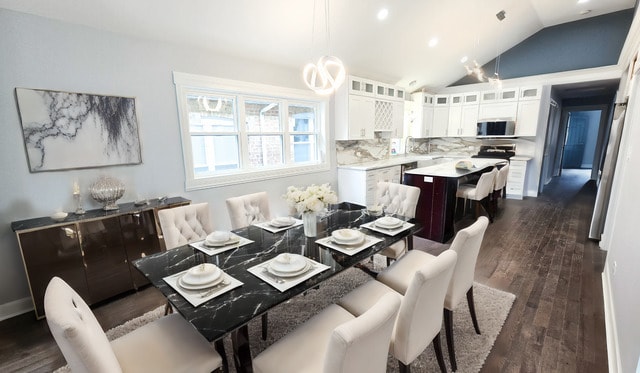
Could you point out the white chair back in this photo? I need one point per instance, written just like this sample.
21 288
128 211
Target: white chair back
184 224
248 209
485 184
362 344
501 178
77 331
466 244
398 198
420 316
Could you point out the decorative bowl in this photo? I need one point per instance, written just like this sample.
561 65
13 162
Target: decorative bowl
107 190
59 216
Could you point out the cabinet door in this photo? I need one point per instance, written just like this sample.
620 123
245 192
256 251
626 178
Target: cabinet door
455 118
105 260
383 115
362 113
469 121
397 119
427 120
52 252
506 110
527 119
440 121
140 239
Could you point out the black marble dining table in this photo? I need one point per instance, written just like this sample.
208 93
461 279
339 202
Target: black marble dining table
230 312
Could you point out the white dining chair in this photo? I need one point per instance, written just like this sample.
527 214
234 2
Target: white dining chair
335 341
248 209
397 199
479 193
466 244
185 224
420 316
499 187
169 344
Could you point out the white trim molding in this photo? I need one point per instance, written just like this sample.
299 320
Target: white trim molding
613 352
15 308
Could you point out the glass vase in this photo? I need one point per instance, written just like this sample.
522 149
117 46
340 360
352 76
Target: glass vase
309 222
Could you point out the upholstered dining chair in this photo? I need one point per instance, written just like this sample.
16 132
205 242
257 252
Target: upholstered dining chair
248 209
420 316
184 224
169 344
397 199
499 187
466 244
479 193
335 341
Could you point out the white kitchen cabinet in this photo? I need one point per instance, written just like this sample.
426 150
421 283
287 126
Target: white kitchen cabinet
516 178
463 118
360 86
527 118
355 116
421 112
397 125
359 186
499 110
530 93
469 121
440 121
389 117
455 118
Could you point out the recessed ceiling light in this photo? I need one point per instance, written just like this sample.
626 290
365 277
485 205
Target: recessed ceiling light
582 1
586 11
433 42
383 13
464 59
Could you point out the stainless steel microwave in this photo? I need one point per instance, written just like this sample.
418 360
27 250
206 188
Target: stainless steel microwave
494 128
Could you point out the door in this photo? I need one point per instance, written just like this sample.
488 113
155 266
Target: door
574 147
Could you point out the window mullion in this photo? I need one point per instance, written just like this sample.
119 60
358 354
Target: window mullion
242 133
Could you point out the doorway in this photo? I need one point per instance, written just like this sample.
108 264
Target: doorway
580 140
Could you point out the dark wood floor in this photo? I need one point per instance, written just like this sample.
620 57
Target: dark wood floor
536 248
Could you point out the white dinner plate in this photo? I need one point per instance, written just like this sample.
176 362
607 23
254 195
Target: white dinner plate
304 269
230 241
349 243
295 263
388 222
207 285
201 274
347 235
282 222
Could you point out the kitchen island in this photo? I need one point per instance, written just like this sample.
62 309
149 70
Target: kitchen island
438 185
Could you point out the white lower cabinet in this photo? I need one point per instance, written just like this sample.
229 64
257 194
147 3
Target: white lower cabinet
516 178
359 186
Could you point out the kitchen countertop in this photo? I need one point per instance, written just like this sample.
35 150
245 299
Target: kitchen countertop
448 169
520 158
393 161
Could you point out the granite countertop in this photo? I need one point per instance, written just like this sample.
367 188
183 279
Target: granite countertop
521 158
394 161
448 169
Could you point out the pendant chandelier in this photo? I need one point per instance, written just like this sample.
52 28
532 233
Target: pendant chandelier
326 75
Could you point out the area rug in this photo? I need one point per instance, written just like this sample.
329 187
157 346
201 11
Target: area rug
492 308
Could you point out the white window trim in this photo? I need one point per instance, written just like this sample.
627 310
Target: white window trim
185 82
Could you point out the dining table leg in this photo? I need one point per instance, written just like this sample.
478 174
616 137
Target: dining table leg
241 350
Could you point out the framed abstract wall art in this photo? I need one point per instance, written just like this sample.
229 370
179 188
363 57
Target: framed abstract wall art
63 130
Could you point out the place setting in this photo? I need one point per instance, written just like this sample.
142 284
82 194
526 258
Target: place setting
279 224
388 225
201 283
287 270
348 241
220 241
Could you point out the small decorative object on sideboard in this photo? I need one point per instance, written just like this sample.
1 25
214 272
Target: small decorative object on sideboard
59 216
107 190
77 197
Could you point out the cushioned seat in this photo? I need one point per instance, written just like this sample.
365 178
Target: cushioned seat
401 200
184 224
169 344
479 193
420 316
499 187
248 209
335 341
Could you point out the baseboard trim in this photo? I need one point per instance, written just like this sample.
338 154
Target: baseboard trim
15 308
613 353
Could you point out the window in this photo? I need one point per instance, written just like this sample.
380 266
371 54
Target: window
241 132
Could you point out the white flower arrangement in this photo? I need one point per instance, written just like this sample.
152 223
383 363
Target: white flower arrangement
314 198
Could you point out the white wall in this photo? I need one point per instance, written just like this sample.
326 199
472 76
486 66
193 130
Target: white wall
42 53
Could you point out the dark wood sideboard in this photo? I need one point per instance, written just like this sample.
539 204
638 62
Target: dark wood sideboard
92 252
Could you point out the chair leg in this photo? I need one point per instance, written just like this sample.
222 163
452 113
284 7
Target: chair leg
219 346
472 309
168 309
265 324
403 368
388 261
448 327
437 348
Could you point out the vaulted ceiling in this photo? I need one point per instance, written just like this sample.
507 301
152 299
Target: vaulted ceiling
293 32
